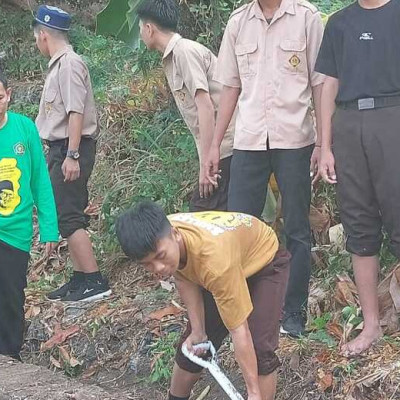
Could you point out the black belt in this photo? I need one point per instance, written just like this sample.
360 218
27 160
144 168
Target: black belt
64 142
370 103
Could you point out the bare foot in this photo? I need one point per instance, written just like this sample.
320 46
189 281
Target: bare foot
362 342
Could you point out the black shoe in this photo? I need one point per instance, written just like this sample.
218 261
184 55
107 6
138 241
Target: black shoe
89 290
294 324
70 286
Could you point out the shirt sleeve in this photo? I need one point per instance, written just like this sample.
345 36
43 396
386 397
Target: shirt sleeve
72 85
191 66
227 72
42 190
315 31
231 295
326 60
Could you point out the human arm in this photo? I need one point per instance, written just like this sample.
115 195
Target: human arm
42 193
73 75
192 297
206 115
70 167
314 34
246 358
227 74
316 155
227 104
327 161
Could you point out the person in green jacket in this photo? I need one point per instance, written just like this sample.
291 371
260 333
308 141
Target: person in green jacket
24 184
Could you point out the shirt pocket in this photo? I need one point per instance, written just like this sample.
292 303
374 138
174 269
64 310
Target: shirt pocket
292 56
246 56
49 101
180 93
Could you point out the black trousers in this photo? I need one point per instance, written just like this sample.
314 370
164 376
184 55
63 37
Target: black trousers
250 173
13 268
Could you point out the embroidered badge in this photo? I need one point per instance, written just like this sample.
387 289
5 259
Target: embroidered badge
181 95
19 149
47 18
47 108
294 61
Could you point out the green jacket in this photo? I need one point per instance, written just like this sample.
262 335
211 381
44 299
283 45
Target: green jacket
24 183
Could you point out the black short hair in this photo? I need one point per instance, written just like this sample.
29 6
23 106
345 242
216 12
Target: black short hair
139 229
3 80
163 13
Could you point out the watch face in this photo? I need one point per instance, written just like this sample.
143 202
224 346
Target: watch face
76 155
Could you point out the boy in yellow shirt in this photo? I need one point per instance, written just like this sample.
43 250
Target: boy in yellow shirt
231 277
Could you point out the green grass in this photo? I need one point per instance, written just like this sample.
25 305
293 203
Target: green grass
163 352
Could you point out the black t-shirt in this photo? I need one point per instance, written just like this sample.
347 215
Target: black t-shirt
361 47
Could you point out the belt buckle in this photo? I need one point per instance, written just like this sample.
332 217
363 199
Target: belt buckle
366 104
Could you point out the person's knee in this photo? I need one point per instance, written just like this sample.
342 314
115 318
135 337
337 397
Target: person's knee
364 247
267 362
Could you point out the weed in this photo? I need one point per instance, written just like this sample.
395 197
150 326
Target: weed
163 352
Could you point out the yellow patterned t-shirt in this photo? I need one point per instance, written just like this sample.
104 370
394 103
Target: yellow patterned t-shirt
223 250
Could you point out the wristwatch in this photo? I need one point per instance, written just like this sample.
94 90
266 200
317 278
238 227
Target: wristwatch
74 154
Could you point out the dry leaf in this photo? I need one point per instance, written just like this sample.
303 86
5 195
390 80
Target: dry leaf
73 362
319 220
56 363
204 393
32 311
167 286
60 336
344 294
294 361
64 354
325 380
160 314
335 330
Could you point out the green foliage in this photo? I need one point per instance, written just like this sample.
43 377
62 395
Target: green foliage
324 337
211 17
119 19
163 352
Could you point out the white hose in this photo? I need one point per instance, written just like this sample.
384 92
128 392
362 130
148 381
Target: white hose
213 367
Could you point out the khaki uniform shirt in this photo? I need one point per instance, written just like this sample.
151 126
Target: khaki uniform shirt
67 89
189 66
273 64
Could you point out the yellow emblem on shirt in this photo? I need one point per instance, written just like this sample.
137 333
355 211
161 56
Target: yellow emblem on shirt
215 222
294 61
9 186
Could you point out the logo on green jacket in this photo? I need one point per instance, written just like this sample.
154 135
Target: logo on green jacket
19 149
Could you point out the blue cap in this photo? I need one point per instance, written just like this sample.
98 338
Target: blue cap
53 17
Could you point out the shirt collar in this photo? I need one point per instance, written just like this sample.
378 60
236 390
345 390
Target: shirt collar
287 6
59 54
171 44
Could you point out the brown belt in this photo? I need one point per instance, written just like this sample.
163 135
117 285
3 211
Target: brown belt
370 103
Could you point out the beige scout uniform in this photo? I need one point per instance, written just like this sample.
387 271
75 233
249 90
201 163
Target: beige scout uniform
189 66
67 89
273 64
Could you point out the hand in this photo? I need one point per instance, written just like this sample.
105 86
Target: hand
193 339
71 170
327 166
314 170
206 188
213 161
50 247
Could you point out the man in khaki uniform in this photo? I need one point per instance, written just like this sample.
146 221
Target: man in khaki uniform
67 122
189 68
266 64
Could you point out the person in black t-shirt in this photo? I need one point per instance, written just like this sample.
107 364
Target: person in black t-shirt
360 54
